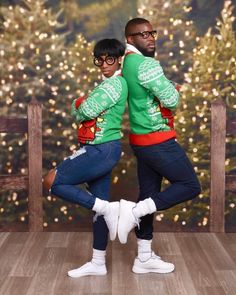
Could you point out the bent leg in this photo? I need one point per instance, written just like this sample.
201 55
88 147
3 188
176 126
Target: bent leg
184 184
88 163
169 160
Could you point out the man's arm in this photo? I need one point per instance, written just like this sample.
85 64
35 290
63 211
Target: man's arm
151 76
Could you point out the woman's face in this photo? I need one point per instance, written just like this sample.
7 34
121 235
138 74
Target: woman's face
107 64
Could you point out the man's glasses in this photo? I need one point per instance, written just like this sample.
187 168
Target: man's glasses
145 34
99 61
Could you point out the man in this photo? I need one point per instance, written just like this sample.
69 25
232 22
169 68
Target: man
152 97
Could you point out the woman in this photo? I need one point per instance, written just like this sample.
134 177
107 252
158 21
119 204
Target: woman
99 116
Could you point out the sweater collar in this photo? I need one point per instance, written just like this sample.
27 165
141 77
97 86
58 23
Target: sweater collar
117 73
130 48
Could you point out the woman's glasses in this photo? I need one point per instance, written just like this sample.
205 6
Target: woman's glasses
99 61
145 34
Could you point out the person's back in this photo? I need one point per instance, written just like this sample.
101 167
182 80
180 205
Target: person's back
144 111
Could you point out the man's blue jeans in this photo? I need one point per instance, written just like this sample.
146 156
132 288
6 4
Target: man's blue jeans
91 164
155 162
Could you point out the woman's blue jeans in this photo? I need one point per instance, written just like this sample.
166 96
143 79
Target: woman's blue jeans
91 164
155 162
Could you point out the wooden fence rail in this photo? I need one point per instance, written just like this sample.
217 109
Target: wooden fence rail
32 125
219 180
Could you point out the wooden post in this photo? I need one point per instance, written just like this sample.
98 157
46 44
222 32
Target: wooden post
35 205
217 196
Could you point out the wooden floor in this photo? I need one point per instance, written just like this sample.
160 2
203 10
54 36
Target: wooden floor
37 263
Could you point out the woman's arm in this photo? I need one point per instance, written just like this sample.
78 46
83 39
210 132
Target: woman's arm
100 99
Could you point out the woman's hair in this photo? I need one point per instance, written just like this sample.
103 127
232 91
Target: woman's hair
110 47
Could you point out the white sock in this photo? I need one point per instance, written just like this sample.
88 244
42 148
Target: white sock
144 207
99 257
144 249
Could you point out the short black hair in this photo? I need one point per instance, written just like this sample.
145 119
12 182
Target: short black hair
133 22
111 47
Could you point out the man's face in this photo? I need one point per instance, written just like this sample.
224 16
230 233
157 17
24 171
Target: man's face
146 46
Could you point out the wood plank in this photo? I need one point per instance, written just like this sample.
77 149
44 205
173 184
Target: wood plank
35 204
218 133
45 278
180 281
58 239
3 237
197 263
13 125
15 285
227 280
165 244
8 182
10 249
30 256
218 257
228 242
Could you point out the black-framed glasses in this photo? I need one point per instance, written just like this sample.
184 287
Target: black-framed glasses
145 34
99 61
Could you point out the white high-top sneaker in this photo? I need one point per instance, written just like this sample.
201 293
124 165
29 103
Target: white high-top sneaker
127 220
130 213
110 212
153 264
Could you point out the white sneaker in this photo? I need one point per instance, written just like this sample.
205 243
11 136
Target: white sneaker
88 269
153 264
127 220
112 218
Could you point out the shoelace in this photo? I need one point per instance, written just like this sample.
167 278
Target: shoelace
153 255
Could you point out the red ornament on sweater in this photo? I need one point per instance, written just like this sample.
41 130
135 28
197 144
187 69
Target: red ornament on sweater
87 129
167 113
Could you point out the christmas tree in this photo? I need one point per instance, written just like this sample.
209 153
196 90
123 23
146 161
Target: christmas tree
176 34
211 76
35 61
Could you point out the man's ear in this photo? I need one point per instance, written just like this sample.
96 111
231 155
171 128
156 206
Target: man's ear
130 40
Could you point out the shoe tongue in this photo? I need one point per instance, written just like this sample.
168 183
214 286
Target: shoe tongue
155 256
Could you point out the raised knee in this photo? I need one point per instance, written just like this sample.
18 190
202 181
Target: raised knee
49 179
196 189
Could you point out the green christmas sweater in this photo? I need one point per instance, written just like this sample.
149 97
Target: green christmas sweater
106 103
149 93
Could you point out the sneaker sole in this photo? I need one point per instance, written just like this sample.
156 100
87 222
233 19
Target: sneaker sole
120 226
140 270
87 274
112 238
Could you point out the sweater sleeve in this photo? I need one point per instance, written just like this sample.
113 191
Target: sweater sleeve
151 76
104 96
